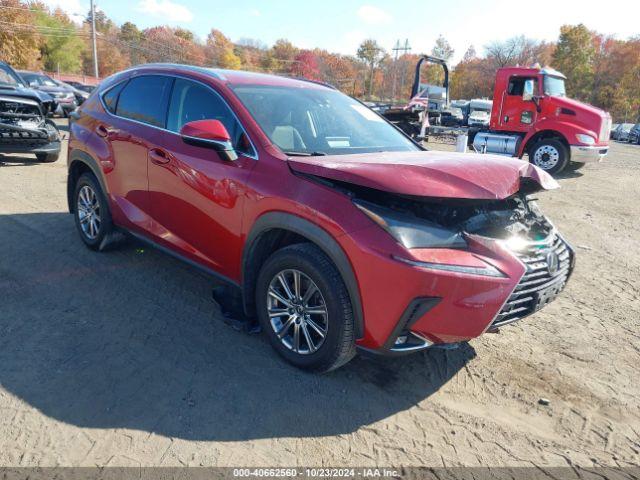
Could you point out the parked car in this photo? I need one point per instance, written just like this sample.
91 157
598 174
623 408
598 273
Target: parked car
11 84
479 118
337 231
80 86
614 126
634 134
64 96
24 126
621 133
451 117
80 95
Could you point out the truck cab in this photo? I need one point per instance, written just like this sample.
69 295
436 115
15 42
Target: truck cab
532 114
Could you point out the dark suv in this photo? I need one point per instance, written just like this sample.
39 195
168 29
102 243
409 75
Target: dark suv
337 231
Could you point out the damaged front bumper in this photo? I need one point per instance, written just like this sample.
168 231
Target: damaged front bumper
24 128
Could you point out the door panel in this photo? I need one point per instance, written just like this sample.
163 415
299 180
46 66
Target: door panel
195 196
516 114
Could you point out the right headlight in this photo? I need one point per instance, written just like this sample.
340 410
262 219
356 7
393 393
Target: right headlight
409 230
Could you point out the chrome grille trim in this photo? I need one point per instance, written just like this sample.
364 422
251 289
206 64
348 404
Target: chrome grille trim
522 301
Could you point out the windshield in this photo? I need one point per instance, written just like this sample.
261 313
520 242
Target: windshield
41 80
319 121
7 77
554 86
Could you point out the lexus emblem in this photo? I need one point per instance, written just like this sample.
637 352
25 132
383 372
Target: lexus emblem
552 263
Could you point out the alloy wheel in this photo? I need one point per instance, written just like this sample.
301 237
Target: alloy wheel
88 208
546 157
297 311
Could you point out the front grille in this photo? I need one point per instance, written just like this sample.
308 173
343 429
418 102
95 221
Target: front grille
22 137
540 284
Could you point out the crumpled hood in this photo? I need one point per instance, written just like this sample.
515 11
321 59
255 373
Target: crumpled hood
428 174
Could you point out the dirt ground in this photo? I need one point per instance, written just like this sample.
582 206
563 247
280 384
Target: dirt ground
120 358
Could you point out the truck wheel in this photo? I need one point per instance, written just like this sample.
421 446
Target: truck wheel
550 155
304 308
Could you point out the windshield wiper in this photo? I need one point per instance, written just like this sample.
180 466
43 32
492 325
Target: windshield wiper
305 154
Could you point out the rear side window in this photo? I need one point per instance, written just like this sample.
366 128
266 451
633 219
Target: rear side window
110 98
192 101
144 99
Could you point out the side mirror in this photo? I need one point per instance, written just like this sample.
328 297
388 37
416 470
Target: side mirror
209 134
529 90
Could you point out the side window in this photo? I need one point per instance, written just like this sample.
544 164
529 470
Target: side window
192 101
516 86
145 99
110 98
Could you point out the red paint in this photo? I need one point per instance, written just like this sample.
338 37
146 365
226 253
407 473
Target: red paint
561 115
206 129
190 200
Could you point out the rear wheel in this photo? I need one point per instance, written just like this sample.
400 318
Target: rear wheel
91 213
550 155
304 308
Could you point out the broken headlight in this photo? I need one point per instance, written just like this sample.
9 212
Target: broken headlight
409 230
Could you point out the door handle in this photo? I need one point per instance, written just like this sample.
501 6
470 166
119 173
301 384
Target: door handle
104 132
159 156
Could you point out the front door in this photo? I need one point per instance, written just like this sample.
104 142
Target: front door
196 196
517 114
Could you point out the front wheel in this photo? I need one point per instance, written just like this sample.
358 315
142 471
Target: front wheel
91 213
304 308
550 155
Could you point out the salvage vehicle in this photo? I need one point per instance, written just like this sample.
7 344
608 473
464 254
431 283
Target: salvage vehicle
337 231
64 96
11 84
451 117
24 126
80 95
81 86
634 134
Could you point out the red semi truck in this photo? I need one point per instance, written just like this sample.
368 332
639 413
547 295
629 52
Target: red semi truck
531 114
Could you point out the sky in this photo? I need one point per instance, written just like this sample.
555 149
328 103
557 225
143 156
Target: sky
341 25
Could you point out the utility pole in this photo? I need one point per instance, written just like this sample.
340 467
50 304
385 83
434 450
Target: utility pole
93 38
397 49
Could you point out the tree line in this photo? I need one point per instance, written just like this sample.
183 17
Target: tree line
601 70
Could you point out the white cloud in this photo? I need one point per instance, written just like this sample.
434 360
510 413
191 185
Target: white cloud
254 12
373 15
73 8
165 9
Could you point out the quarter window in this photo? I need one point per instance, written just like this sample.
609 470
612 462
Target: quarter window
191 101
145 99
110 98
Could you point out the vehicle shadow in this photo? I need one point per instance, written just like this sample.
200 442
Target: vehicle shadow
132 339
17 160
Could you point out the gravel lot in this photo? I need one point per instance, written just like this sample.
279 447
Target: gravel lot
121 359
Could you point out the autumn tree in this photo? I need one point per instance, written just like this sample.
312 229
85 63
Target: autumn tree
371 54
219 51
574 56
305 65
62 51
19 46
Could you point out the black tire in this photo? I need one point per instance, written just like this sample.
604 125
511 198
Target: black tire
106 230
537 157
47 157
338 345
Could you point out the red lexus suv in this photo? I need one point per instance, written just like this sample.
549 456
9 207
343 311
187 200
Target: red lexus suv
337 231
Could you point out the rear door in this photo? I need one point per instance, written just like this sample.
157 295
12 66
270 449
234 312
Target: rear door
140 113
516 114
196 197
